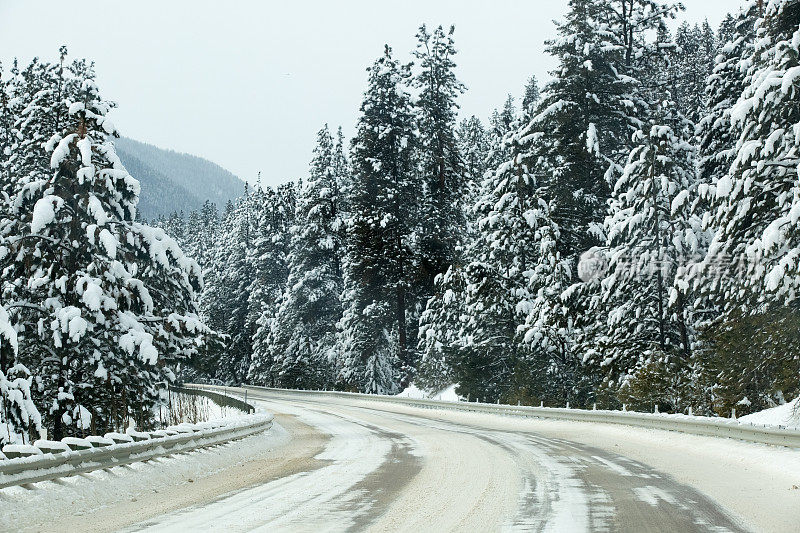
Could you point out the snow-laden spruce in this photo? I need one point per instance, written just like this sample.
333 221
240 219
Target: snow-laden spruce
302 336
440 162
653 237
19 417
470 327
473 145
378 268
717 136
104 306
246 276
273 214
755 253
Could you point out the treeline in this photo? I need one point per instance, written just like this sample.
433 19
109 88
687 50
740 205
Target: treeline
98 311
440 252
626 235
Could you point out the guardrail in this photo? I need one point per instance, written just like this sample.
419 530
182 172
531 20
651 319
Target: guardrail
86 455
696 425
223 400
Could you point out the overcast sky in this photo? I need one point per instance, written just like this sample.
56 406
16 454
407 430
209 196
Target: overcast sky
248 84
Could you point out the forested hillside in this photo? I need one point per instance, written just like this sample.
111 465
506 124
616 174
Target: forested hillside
172 181
625 234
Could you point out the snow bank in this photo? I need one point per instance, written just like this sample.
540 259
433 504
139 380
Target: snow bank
413 392
786 415
44 503
446 395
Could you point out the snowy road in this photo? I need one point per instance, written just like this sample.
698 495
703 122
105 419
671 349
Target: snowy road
387 467
337 464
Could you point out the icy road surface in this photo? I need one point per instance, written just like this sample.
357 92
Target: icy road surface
351 464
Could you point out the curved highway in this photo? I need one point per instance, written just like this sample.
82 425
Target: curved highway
387 468
334 463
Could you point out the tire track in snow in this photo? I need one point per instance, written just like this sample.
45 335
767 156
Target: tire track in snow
318 500
390 469
568 486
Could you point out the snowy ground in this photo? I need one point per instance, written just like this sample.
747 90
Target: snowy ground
369 465
786 415
447 394
66 504
192 409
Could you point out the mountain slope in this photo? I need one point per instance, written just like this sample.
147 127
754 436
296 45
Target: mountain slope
173 181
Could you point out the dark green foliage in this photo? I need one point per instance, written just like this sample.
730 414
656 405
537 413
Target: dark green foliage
750 362
440 162
379 318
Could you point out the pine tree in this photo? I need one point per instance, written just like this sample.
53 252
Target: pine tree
18 414
106 304
6 122
555 368
377 334
587 114
750 270
304 330
502 123
274 213
691 62
579 135
473 144
531 98
652 236
470 327
717 137
441 218
226 299
756 203
440 331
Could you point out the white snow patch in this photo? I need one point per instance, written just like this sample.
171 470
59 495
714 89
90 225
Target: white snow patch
43 213
617 468
448 394
651 495
786 415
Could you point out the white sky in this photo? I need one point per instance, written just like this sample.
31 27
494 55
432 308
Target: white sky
248 84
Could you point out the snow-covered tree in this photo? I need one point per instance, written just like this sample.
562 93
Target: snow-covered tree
272 213
530 99
691 61
18 414
226 296
303 334
41 93
717 137
473 144
441 218
6 122
441 330
587 112
501 122
379 325
105 305
755 252
470 327
549 325
652 237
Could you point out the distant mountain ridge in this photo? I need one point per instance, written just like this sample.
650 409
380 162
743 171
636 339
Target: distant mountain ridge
173 181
